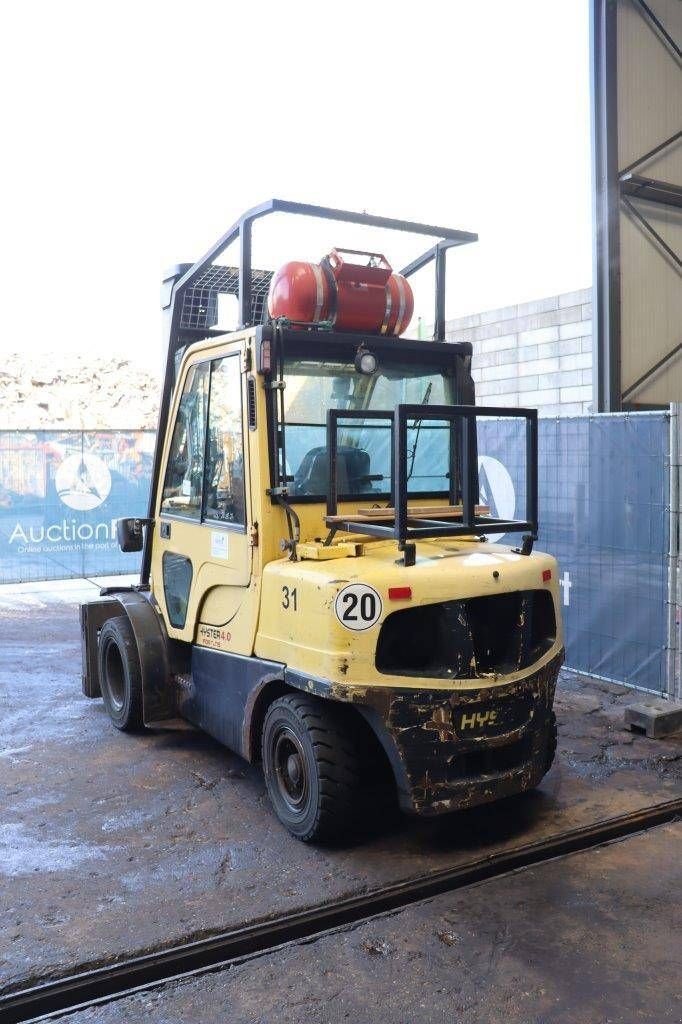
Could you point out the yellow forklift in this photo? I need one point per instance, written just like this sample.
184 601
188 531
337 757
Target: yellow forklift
319 590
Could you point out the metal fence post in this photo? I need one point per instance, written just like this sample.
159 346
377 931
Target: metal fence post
674 595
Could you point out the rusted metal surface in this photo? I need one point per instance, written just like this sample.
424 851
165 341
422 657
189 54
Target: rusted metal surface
471 746
592 937
167 835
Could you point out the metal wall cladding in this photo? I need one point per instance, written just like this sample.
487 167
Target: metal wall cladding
649 101
61 493
603 499
604 494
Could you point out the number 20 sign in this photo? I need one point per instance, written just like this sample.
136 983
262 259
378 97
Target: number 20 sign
358 606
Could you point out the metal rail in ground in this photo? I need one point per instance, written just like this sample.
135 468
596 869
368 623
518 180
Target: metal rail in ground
104 984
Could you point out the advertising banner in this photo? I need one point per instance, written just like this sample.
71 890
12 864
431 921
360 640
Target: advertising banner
61 493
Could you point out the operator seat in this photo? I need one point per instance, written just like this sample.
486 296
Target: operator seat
352 471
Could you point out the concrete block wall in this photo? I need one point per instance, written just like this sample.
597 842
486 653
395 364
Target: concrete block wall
536 353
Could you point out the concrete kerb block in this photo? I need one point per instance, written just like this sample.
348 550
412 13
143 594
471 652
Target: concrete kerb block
660 718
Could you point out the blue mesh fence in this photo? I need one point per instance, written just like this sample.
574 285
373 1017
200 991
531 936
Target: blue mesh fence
603 514
603 499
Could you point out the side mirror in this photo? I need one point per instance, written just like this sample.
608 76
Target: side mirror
129 534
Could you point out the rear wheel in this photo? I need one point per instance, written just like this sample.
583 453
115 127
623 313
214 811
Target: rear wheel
120 673
312 766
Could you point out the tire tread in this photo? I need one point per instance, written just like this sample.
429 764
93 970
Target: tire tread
118 630
338 762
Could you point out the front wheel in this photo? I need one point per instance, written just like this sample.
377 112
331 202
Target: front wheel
120 674
312 767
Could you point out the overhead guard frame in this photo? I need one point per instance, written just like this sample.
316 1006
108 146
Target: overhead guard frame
241 231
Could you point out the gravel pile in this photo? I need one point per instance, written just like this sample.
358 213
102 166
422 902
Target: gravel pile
77 393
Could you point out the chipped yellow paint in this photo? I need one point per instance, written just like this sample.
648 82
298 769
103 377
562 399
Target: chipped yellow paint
314 642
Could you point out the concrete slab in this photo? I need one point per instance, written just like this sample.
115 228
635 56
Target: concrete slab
113 844
596 936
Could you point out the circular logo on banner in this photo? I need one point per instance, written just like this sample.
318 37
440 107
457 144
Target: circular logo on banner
496 487
83 482
358 606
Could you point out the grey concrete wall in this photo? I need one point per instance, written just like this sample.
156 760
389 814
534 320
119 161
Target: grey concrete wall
534 354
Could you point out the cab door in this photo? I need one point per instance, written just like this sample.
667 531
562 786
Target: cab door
201 552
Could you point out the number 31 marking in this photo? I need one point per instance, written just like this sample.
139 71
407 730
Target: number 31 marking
289 598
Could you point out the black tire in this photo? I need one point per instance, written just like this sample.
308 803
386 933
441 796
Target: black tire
551 741
120 674
313 767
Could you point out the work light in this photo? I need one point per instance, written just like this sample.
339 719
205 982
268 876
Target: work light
365 362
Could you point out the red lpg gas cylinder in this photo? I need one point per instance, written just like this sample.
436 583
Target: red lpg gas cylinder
353 297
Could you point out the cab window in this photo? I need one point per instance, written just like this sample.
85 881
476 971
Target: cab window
182 487
224 493
364 466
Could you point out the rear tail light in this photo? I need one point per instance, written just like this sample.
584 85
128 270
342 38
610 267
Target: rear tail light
399 593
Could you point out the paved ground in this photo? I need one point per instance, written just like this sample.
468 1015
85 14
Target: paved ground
111 844
587 939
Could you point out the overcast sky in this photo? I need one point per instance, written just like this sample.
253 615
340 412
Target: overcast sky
135 133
